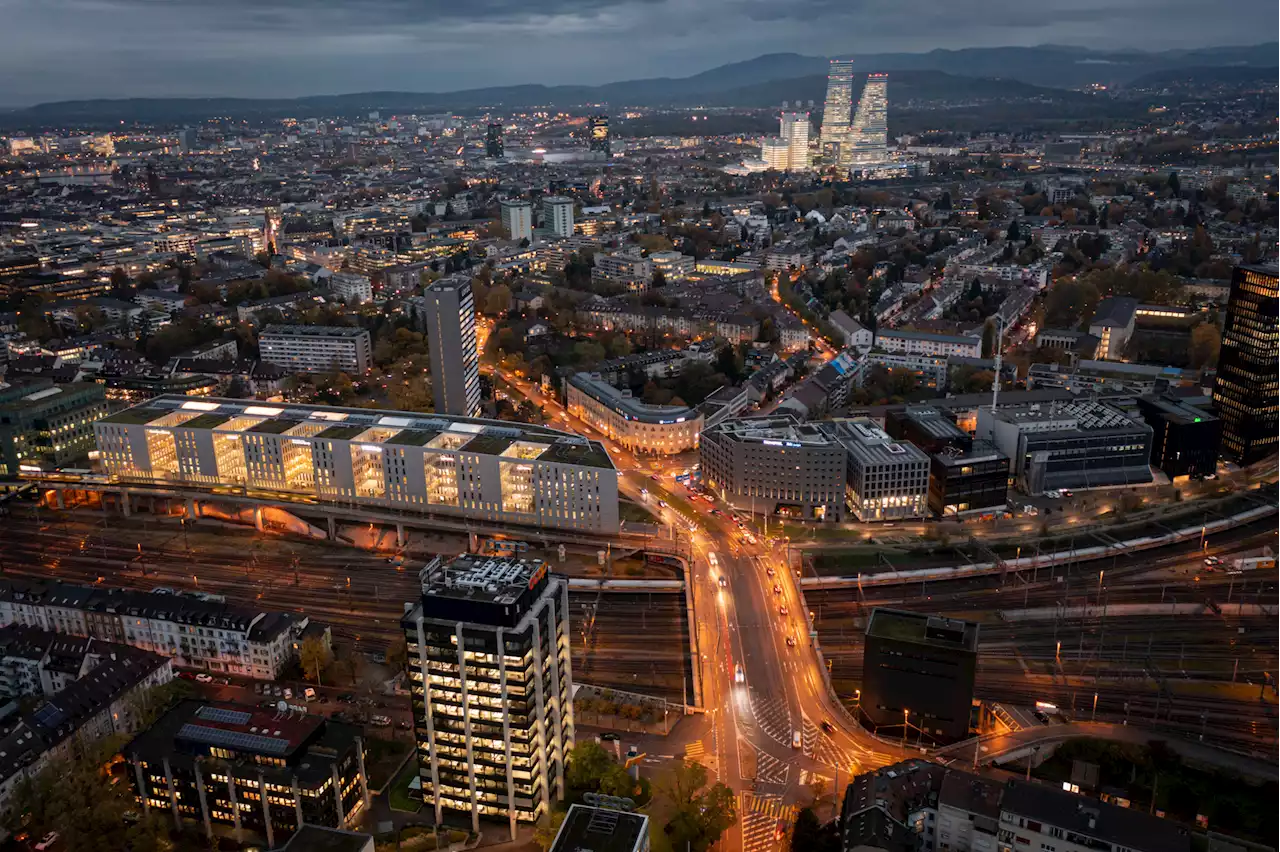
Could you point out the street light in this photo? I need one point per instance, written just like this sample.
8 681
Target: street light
905 714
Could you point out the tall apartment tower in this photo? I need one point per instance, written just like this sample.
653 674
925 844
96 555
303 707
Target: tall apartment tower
517 218
599 135
1246 392
492 686
493 141
451 341
869 132
794 129
557 215
835 114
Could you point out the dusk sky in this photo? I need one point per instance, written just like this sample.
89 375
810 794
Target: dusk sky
63 49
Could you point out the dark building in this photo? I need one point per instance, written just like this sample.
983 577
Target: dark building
968 481
927 427
45 425
588 828
493 141
599 133
1246 390
259 772
918 671
1184 439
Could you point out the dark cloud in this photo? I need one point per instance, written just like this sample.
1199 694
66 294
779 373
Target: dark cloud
55 49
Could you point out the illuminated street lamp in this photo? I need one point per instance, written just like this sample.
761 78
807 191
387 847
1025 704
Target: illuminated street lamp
905 715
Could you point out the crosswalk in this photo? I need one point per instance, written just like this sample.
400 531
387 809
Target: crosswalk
819 746
771 770
695 750
773 717
766 822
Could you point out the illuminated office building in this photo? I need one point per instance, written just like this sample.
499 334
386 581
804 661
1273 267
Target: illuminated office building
484 470
835 114
887 480
492 687
794 130
493 146
637 425
450 318
1246 392
44 425
517 218
869 132
776 153
599 134
317 348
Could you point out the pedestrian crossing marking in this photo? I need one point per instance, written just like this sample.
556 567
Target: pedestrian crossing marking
762 819
694 750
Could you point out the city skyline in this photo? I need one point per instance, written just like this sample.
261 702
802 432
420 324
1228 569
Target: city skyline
208 51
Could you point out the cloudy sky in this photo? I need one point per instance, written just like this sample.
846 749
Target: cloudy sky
62 49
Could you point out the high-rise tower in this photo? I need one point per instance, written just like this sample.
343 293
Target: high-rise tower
869 132
493 146
835 115
599 137
1246 389
794 130
451 344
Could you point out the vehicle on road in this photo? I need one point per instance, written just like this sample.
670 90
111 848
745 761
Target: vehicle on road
46 842
827 726
769 571
609 736
791 641
724 582
288 694
662 504
777 589
380 721
309 694
739 676
796 740
1212 561
782 610
204 678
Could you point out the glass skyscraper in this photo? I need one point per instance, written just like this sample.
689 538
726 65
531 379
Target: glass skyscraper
869 133
1246 388
835 114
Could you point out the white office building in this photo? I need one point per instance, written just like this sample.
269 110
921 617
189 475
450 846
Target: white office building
775 152
794 130
888 480
317 348
517 218
557 215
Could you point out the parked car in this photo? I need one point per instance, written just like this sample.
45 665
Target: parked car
380 721
204 678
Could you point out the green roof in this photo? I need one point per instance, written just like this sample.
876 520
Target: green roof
584 455
341 432
412 437
208 420
273 427
134 416
488 445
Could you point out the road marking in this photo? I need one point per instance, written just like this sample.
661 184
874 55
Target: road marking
694 750
759 817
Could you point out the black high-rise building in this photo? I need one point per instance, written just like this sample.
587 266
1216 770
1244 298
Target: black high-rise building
1246 389
1184 438
599 126
493 141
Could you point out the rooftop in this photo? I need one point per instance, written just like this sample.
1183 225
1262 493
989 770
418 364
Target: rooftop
493 579
1115 311
592 829
313 331
910 334
628 406
935 630
1085 816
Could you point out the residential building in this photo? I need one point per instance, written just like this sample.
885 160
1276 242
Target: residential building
351 288
37 662
869 131
598 134
887 480
44 426
317 348
1044 817
628 269
1185 437
517 219
927 343
917 675
492 687
557 215
854 333
196 632
775 466
1080 443
493 142
637 425
794 130
835 113
589 828
1246 390
449 315
257 772
482 470
673 265
1112 324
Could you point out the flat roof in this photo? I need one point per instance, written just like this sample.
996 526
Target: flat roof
493 579
313 331
923 629
911 334
628 406
593 829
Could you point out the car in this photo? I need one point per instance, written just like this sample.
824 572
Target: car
1067 492
610 736
277 691
1212 561
204 678
791 641
777 589
782 610
827 726
796 739
724 582
346 698
1209 477
739 676
46 842
309 694
717 513
380 721
656 478
769 571
662 504
1042 717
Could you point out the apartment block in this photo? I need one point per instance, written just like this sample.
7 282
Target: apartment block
317 348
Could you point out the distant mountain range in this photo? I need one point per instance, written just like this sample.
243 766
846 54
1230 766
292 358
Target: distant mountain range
975 73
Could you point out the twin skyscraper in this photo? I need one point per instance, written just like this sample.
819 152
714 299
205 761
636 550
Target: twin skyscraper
864 140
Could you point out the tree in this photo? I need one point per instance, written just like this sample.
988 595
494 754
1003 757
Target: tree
1206 340
809 835
548 827
315 657
1174 185
659 279
591 769
398 653
1014 234
699 816
989 339
498 301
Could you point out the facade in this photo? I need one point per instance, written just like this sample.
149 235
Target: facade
449 316
484 470
493 145
928 343
350 287
40 662
1112 323
44 425
673 265
317 348
587 828
869 131
261 773
1246 391
629 269
776 466
775 152
1036 816
887 480
835 113
517 218
918 670
492 687
1184 438
928 427
1079 443
968 481
598 130
794 130
557 215
197 633
855 334
633 423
